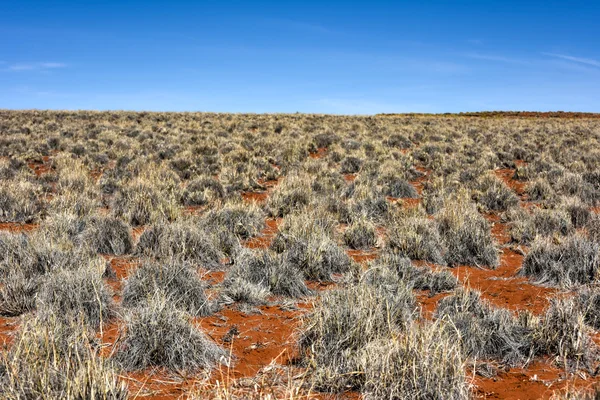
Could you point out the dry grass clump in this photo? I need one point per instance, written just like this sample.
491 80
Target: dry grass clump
588 301
140 203
302 226
466 235
579 212
291 195
343 322
573 184
53 361
175 281
305 240
360 234
526 227
350 165
318 258
416 238
27 260
484 331
577 394
563 334
495 195
107 235
425 362
79 204
78 295
17 294
593 227
573 261
255 274
201 191
73 176
540 190
401 188
20 201
156 335
392 269
366 199
181 240
243 220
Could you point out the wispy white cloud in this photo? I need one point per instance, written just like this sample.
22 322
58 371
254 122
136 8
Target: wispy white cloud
496 58
579 60
39 66
53 65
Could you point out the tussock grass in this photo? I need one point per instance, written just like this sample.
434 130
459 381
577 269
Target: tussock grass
107 235
360 234
466 235
243 220
264 269
76 295
346 320
17 293
571 262
540 190
563 334
20 201
291 195
181 240
525 227
142 203
176 281
485 332
417 238
392 270
53 361
201 191
495 195
156 335
425 362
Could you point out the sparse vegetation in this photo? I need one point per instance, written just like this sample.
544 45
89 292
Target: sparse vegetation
156 246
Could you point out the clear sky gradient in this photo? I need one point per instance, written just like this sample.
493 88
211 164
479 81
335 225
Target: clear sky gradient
312 56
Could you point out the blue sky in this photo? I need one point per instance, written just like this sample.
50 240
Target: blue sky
328 57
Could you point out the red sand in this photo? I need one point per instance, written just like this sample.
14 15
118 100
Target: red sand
8 325
321 152
16 227
506 175
362 256
350 177
265 237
